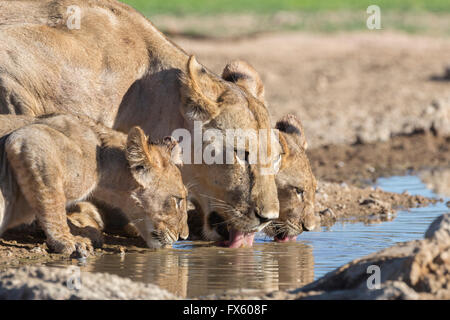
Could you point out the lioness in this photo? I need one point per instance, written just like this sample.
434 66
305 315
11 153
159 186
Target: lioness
118 69
296 186
58 160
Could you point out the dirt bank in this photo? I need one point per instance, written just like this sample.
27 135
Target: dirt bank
369 205
26 245
363 163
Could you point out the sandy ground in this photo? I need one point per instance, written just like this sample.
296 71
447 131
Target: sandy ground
348 87
363 163
372 104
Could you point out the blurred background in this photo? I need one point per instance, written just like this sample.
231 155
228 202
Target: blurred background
222 18
373 102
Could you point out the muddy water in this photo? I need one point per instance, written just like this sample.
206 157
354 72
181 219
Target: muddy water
192 269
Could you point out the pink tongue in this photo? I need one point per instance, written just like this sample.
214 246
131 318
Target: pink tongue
238 239
286 239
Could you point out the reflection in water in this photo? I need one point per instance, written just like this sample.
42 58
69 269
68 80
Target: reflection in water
344 242
438 180
193 269
165 268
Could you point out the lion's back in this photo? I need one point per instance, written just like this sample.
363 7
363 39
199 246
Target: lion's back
48 65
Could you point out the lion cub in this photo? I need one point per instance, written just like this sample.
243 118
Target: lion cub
56 161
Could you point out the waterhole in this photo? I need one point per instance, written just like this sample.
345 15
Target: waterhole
194 269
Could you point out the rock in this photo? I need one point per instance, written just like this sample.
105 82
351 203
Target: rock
38 250
367 201
367 205
439 229
340 164
45 283
391 290
372 202
327 214
370 169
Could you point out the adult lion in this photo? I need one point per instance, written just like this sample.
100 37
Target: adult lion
117 68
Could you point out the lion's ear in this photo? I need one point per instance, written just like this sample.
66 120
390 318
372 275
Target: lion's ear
244 75
292 126
140 157
174 150
199 92
284 144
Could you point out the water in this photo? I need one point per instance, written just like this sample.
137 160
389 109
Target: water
192 269
344 242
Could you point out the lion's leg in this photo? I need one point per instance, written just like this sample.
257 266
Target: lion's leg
131 230
47 199
85 220
51 215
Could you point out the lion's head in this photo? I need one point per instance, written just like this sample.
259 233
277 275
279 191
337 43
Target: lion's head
237 186
157 196
296 184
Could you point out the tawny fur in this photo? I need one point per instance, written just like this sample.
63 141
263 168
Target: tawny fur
120 70
58 160
295 175
296 183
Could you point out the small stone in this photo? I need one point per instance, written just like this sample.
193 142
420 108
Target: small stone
327 213
340 164
38 250
370 169
367 201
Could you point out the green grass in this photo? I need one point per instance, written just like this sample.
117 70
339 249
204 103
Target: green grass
182 7
212 18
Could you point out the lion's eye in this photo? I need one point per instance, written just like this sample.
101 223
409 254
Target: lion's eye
300 193
139 168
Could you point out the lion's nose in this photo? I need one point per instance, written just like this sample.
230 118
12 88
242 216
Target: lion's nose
183 236
308 226
265 216
310 223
